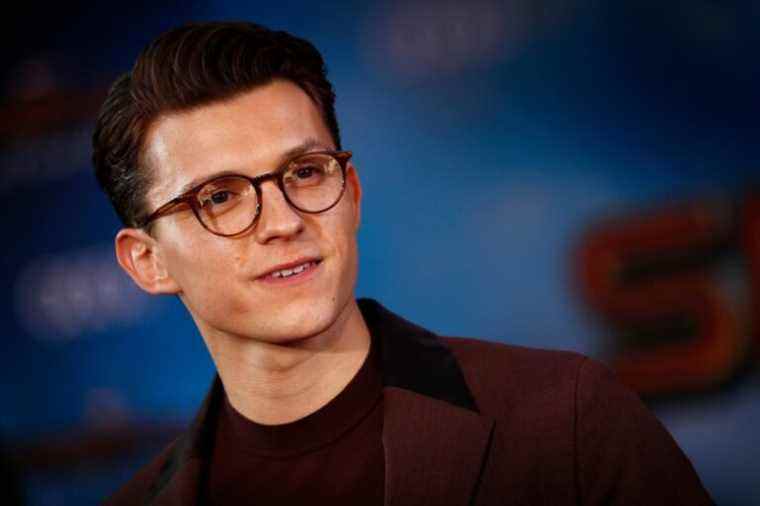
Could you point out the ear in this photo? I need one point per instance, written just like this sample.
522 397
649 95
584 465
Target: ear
140 256
355 193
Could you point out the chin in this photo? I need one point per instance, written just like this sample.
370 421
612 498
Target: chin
300 321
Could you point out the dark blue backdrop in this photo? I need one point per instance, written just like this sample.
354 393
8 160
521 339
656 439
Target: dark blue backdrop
488 136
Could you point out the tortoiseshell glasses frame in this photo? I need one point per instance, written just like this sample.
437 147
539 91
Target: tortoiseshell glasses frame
194 198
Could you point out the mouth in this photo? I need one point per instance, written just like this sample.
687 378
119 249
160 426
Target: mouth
291 272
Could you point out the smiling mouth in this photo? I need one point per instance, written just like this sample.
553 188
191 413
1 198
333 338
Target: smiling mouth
292 273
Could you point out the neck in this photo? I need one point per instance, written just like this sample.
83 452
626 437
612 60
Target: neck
273 384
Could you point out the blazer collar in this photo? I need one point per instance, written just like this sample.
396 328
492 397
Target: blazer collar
414 359
434 438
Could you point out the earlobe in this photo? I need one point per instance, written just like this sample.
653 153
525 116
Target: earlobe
139 256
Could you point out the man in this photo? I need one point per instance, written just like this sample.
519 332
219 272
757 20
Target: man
221 153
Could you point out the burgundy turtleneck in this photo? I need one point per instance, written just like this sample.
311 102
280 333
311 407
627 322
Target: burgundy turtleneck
332 456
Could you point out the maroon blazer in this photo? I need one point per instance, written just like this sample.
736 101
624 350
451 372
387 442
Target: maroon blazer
469 422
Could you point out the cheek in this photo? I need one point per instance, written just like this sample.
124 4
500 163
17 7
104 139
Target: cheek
344 241
210 283
199 264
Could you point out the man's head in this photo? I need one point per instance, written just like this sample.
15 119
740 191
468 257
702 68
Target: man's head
213 99
188 67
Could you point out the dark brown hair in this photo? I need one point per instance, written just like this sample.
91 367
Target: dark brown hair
187 67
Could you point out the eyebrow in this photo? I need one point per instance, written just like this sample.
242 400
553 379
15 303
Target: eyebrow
307 145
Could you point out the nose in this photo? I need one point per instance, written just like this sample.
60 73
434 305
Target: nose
278 220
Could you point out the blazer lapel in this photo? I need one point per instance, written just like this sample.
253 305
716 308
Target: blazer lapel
434 451
179 481
183 487
435 440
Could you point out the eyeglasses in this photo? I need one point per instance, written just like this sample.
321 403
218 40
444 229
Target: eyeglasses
230 205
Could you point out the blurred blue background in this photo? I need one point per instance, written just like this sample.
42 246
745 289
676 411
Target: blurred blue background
491 139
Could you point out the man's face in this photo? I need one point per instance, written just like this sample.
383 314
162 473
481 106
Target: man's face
222 280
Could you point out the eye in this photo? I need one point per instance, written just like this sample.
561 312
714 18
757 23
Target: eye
219 197
222 194
305 172
305 176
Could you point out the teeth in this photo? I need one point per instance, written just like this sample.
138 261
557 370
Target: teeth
284 273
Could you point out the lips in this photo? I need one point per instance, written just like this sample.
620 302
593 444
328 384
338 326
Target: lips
288 269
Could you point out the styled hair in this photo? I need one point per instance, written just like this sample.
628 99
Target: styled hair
184 68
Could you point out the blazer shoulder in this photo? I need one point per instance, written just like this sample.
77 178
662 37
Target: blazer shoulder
467 348
503 376
576 415
136 490
499 361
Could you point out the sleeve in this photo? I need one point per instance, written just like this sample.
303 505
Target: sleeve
624 455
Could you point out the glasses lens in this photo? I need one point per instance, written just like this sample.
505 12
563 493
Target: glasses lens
227 205
313 182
